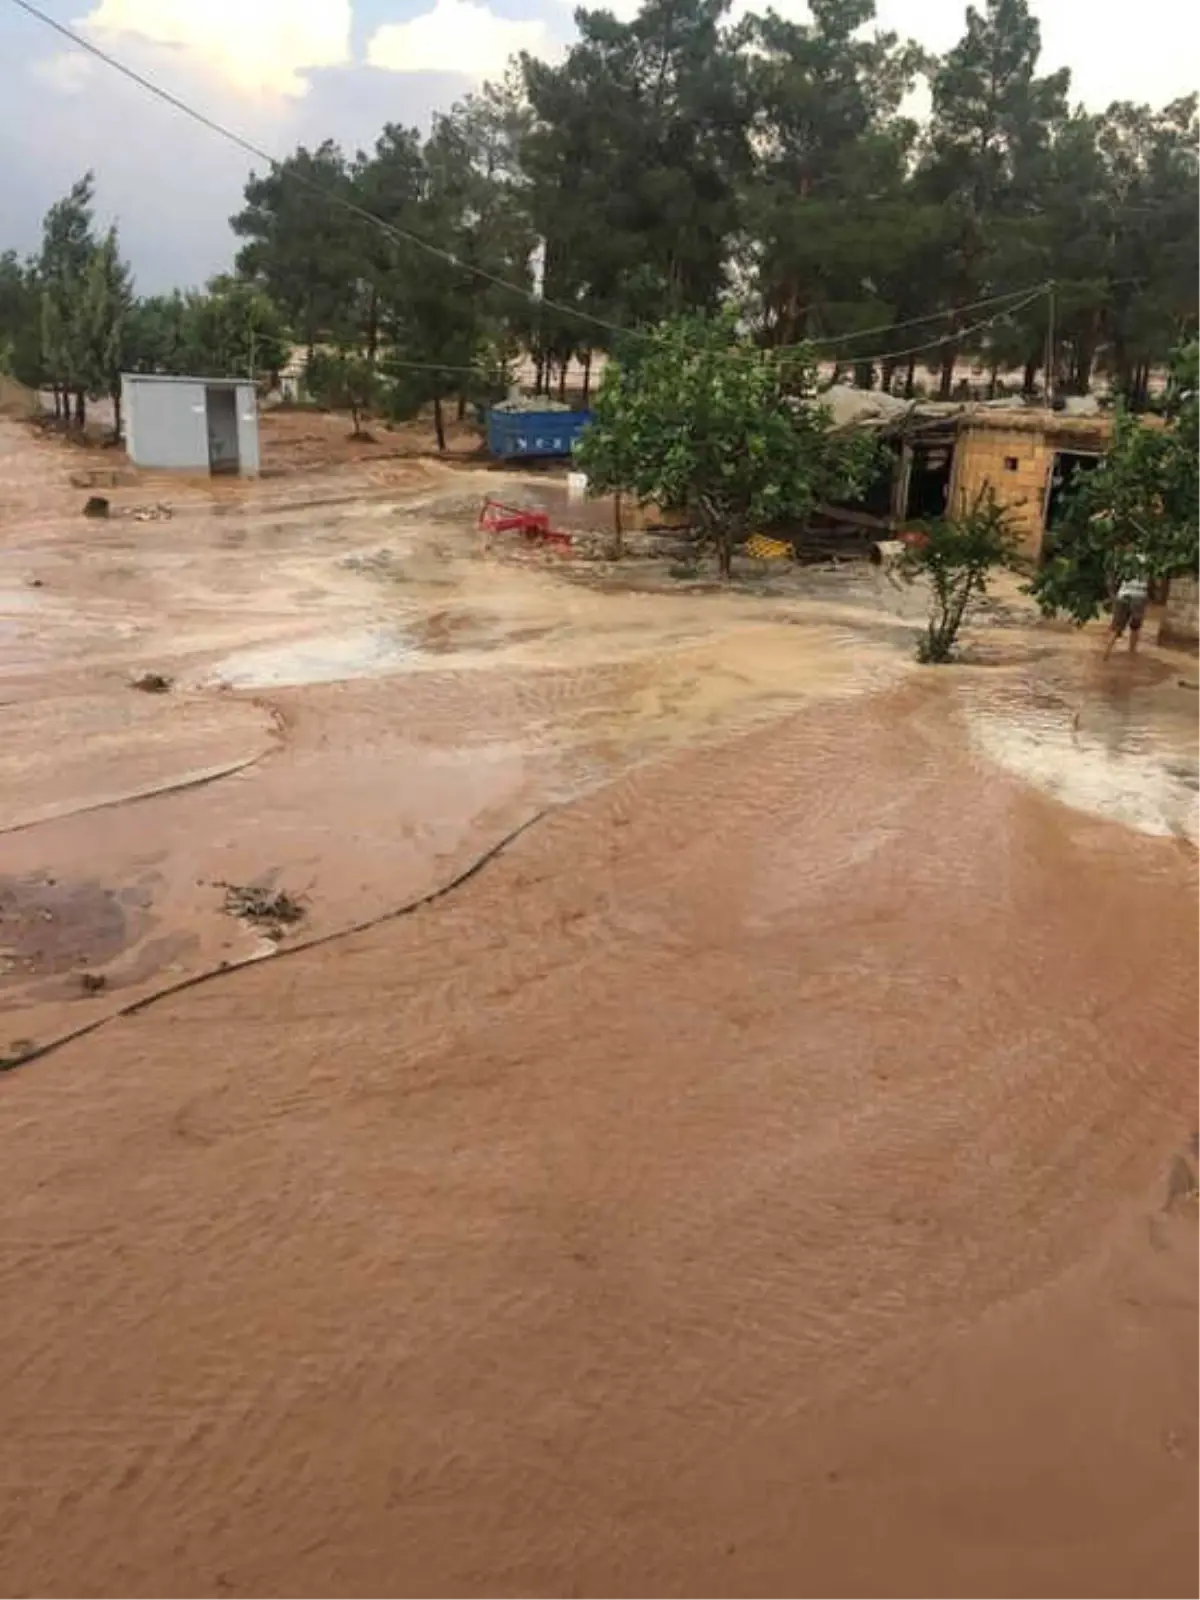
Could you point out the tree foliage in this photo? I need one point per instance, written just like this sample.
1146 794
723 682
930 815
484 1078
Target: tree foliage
685 158
1141 502
344 382
105 301
680 160
957 555
699 420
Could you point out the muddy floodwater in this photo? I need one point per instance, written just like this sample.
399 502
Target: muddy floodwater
706 1107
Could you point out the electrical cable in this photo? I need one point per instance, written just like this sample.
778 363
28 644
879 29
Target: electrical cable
402 234
406 236
956 334
913 322
25 1054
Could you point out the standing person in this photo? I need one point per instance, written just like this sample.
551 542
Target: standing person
1129 607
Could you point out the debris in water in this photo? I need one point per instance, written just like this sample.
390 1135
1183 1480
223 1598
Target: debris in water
152 683
92 982
256 903
155 513
96 506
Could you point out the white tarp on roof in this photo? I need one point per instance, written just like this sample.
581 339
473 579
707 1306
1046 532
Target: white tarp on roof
862 406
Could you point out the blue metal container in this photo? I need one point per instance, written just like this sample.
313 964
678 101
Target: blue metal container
511 434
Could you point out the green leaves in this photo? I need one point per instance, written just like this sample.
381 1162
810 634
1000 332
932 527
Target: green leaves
1141 501
699 420
957 555
344 381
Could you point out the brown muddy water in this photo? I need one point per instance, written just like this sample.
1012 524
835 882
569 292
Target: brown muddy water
772 1172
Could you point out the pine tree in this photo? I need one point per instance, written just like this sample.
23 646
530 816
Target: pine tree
105 304
67 247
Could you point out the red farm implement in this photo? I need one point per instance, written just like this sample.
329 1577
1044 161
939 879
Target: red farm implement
533 526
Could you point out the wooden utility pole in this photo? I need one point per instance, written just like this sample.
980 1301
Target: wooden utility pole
1050 347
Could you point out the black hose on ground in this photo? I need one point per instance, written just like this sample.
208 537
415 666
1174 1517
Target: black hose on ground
38 1051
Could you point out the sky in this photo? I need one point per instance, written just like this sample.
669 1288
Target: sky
283 72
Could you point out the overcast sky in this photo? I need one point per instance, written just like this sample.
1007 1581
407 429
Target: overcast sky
286 71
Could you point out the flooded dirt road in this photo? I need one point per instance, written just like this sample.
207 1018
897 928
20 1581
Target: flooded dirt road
771 1172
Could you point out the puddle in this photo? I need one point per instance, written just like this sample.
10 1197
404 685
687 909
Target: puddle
359 653
1109 760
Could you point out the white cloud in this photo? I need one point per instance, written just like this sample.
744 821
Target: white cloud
65 73
256 45
456 36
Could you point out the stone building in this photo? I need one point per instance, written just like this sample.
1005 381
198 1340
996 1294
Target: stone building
947 455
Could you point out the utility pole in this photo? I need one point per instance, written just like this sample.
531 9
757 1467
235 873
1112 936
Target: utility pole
1050 347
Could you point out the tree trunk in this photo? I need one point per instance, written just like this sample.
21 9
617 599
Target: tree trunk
1029 377
725 553
80 409
587 377
864 375
886 373
462 405
372 327
562 380
539 375
618 528
1123 370
58 404
946 376
993 381
116 401
439 423
354 417
910 373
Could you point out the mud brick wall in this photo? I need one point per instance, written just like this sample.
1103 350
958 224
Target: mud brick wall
1016 463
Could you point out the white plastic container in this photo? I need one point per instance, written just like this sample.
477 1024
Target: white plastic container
576 486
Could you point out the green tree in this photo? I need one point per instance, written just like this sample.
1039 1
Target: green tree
156 334
636 153
445 318
956 555
987 152
303 249
344 381
826 209
1141 502
105 304
233 330
20 320
67 247
697 419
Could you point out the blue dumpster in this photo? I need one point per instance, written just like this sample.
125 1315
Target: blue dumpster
512 434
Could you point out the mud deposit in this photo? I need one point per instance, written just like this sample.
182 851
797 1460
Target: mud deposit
772 1172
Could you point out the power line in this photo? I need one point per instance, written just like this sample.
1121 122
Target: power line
351 206
408 237
957 333
913 322
757 353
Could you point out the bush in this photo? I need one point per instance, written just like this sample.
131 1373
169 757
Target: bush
957 555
